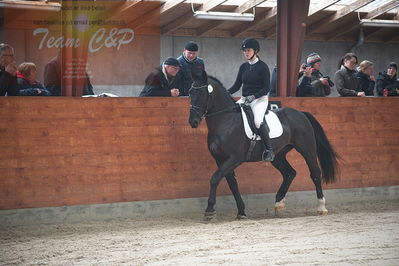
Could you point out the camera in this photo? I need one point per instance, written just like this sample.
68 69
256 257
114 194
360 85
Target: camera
330 83
304 65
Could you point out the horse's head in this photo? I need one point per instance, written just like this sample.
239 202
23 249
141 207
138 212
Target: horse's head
200 95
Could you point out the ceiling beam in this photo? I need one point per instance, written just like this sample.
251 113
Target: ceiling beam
341 31
208 27
143 19
320 6
270 14
353 7
337 15
246 6
169 5
31 5
382 9
126 6
176 23
370 15
208 5
119 11
180 21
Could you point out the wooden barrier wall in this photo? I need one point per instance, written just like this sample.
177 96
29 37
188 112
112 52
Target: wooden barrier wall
72 151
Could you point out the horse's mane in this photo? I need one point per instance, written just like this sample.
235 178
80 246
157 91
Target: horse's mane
221 84
216 80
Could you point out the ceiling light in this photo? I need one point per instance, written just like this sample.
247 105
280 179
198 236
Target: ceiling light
379 23
224 16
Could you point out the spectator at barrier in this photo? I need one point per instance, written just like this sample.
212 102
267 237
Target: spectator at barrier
53 77
366 78
164 80
8 69
305 76
302 70
387 83
189 62
27 83
312 83
345 78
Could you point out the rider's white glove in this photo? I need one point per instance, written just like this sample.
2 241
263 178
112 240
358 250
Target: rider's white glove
249 99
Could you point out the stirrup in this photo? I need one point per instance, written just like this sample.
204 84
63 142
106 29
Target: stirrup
268 156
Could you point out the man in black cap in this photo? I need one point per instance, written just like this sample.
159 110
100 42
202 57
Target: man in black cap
164 81
190 63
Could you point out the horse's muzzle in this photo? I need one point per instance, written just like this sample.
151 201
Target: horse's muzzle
194 120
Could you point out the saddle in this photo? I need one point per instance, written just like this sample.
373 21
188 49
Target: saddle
274 125
273 122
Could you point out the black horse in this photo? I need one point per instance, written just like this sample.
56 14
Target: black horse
228 143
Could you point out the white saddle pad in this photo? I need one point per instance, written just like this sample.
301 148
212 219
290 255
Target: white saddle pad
276 129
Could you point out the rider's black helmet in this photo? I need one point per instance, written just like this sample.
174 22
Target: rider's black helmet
250 43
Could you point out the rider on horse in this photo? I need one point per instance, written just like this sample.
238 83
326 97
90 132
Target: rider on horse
254 76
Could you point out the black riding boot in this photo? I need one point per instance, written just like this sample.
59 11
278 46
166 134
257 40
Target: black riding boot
268 154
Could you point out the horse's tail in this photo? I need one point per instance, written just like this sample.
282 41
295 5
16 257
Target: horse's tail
328 158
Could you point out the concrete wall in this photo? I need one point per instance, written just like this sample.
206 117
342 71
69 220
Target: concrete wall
255 205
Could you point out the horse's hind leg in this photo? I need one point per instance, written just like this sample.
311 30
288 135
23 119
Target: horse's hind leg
310 156
288 173
231 180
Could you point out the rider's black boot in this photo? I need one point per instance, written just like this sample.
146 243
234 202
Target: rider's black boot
268 154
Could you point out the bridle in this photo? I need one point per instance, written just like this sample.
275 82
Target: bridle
196 109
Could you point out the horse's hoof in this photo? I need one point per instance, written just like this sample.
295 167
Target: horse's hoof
209 216
279 206
322 211
241 217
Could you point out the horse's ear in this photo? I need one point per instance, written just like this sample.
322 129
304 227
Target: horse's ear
196 74
199 76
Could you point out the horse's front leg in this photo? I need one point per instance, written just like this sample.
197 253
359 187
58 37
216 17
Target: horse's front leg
224 168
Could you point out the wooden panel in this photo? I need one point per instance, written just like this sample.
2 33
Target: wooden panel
70 151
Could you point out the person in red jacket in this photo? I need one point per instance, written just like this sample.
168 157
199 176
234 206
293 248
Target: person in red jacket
27 83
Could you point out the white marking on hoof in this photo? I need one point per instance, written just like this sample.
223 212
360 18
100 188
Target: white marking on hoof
321 209
280 205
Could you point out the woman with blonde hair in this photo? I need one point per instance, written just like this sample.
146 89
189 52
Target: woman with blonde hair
366 78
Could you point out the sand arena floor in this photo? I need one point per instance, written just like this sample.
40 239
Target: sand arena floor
353 234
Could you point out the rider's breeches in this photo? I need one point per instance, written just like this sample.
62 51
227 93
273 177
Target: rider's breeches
259 107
